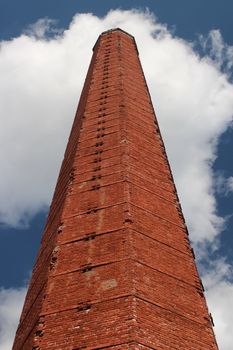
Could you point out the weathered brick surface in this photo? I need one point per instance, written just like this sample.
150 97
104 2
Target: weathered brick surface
165 258
89 326
94 249
156 227
162 329
96 220
115 269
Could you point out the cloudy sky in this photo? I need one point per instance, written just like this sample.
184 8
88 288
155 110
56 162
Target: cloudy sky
186 49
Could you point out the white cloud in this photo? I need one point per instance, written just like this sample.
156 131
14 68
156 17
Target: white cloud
11 302
220 301
220 53
43 28
230 184
218 282
224 185
41 80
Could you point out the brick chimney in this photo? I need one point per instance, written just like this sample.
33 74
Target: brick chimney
115 269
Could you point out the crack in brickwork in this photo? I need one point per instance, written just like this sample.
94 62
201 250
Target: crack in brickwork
115 269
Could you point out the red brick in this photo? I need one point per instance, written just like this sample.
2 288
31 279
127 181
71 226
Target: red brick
115 269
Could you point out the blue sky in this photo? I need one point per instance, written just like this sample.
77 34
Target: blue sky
189 18
199 34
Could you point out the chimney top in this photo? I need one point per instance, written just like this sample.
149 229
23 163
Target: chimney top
112 31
